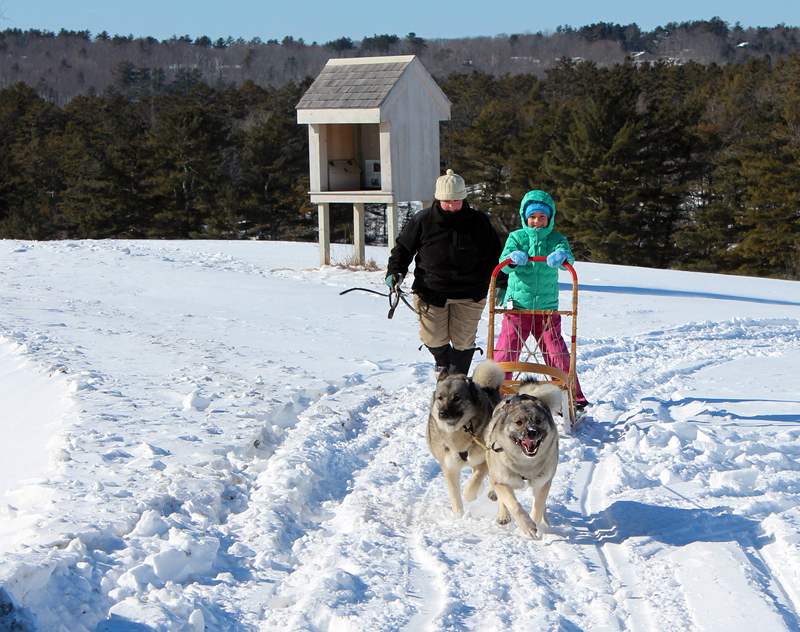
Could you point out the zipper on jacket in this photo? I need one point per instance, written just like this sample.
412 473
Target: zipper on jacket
536 272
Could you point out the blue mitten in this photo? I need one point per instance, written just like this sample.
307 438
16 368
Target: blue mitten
518 258
394 280
556 258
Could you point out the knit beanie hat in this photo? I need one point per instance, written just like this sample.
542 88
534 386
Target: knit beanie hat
450 187
538 207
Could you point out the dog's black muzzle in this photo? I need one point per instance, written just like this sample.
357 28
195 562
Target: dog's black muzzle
450 415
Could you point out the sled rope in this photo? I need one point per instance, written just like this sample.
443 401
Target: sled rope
395 296
474 438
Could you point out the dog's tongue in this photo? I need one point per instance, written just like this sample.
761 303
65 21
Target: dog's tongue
529 446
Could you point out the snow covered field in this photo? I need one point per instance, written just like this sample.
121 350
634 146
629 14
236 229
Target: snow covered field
205 435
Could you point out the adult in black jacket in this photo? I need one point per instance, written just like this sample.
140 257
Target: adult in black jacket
454 248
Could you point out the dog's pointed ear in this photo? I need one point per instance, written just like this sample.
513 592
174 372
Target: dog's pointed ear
444 373
550 395
500 411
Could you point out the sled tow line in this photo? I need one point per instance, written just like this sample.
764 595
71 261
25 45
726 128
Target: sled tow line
395 296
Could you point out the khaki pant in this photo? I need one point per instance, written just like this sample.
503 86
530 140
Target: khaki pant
457 322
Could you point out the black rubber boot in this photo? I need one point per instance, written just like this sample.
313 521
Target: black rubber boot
460 359
442 356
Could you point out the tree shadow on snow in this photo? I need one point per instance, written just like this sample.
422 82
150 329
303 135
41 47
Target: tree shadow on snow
14 618
619 289
729 416
673 526
118 624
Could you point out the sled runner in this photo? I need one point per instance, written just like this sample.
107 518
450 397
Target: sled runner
531 360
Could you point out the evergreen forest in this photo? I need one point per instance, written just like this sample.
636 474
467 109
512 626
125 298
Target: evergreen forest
690 165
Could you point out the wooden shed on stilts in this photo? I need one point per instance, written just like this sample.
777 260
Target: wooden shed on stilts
373 128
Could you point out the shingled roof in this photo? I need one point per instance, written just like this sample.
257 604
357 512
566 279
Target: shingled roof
353 85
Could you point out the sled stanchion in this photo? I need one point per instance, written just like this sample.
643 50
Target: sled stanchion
565 380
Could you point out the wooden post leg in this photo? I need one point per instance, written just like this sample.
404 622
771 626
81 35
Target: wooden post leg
391 220
324 217
358 233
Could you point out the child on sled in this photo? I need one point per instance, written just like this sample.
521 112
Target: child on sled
534 286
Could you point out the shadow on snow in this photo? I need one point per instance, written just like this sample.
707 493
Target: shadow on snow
673 526
618 289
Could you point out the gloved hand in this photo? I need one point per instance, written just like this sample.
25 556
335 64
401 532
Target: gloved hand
499 296
556 258
394 280
518 258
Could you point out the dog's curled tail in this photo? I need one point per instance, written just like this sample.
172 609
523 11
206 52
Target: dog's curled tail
548 392
488 375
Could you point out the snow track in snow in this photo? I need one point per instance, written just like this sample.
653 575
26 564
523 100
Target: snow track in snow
670 576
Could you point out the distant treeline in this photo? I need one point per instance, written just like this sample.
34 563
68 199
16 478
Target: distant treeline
194 164
691 166
63 65
694 167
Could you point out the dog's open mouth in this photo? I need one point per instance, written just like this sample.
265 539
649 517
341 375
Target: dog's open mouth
530 448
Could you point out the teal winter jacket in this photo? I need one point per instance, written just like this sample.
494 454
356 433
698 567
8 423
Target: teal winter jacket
535 285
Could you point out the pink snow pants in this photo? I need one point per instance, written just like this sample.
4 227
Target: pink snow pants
546 329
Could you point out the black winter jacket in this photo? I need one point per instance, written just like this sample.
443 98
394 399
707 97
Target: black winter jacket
454 253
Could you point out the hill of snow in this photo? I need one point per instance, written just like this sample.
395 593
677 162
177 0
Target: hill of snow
207 436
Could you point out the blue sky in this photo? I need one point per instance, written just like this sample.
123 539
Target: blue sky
318 21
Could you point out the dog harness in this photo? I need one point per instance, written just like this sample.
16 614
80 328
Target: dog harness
471 432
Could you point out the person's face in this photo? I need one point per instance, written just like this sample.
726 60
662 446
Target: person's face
452 205
538 220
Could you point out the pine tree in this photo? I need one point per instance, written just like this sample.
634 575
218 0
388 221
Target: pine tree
273 157
771 167
623 171
594 172
486 146
485 136
542 126
709 239
105 196
185 149
31 181
755 194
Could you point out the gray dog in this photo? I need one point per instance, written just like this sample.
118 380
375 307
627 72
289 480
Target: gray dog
460 410
523 442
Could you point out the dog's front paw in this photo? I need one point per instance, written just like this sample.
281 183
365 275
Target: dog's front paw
471 491
493 497
503 515
528 527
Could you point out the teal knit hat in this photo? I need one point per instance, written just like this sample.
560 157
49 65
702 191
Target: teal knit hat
538 207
